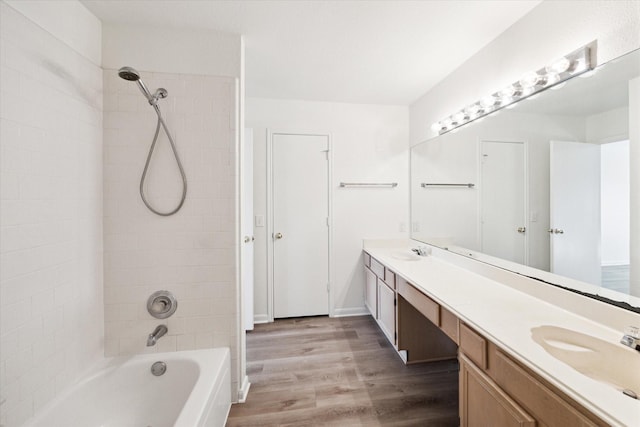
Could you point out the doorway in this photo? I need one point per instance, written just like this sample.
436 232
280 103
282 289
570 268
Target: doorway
300 225
503 196
574 182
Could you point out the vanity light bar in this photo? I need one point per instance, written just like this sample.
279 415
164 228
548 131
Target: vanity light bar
571 65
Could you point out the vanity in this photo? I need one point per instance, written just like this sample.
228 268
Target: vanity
508 342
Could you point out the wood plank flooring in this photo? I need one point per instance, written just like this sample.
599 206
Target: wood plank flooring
321 371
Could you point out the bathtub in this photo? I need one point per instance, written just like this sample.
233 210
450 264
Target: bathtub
195 391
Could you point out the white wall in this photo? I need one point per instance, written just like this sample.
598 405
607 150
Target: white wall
552 29
178 51
369 144
195 252
51 299
615 194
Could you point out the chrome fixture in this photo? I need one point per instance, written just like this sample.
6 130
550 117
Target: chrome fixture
162 304
158 368
157 333
631 337
435 184
132 75
553 75
555 231
422 250
368 184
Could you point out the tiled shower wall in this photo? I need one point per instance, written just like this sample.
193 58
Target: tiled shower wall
51 301
190 253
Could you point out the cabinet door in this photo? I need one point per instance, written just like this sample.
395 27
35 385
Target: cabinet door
371 293
483 403
387 311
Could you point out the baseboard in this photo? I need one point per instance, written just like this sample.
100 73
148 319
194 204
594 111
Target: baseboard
350 311
260 318
244 390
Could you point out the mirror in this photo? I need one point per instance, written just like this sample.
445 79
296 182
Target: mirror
543 188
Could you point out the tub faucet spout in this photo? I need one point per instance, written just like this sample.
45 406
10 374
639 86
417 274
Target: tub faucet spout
154 336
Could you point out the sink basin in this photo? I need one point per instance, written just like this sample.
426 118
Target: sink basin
406 256
609 363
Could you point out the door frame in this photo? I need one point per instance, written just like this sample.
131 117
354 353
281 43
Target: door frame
525 189
270 226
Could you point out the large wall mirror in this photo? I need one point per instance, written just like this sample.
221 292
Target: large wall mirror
545 188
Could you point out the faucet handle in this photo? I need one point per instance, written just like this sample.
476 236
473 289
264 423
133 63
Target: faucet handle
631 337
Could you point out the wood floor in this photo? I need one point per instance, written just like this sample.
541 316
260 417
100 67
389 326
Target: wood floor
321 371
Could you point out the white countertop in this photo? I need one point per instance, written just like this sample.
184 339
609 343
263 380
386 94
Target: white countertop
505 316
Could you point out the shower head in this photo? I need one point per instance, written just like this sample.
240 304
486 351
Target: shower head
132 75
129 73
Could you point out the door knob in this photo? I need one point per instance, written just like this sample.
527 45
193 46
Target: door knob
247 239
522 229
555 231
278 236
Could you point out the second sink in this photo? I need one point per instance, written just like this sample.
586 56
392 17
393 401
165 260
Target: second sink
600 360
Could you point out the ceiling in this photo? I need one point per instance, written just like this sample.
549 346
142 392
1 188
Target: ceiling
374 52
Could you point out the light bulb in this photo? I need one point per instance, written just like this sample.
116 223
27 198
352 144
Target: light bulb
488 101
472 110
529 80
509 91
460 117
558 66
436 127
551 79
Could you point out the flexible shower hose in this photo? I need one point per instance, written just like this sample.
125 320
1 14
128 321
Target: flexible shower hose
146 166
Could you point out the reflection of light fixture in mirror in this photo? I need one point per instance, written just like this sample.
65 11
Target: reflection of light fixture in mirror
558 66
551 76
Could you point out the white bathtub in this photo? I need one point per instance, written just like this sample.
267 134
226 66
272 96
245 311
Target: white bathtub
195 391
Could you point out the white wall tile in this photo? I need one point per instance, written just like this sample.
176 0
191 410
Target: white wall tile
51 150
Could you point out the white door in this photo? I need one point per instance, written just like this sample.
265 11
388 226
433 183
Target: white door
502 199
300 171
575 210
246 226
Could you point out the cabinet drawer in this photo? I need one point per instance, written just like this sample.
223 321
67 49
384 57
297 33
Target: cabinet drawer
543 403
425 305
390 278
377 268
473 345
449 324
367 259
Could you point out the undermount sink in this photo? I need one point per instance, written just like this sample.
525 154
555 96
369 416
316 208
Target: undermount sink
608 363
406 256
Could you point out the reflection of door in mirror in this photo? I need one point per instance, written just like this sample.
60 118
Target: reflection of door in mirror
575 210
502 198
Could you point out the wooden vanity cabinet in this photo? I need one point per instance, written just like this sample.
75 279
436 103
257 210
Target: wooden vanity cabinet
483 403
387 311
495 389
509 386
371 292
